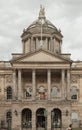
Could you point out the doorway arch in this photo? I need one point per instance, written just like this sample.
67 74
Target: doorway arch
26 118
56 118
41 118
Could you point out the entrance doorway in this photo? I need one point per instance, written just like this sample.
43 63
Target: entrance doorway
41 119
56 118
26 119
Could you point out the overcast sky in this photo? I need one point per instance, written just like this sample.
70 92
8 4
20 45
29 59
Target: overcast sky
15 15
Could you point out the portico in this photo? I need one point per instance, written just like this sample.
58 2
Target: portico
37 78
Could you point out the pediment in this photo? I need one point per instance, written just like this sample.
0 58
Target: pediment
40 56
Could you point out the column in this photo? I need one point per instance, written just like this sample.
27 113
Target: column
19 85
49 120
63 84
31 46
68 84
14 85
52 44
49 83
46 44
33 84
2 87
37 44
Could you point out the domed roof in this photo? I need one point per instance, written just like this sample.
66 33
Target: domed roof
47 26
42 21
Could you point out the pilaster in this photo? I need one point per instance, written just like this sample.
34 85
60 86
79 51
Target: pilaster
68 84
33 120
19 85
14 84
49 120
49 83
33 84
63 83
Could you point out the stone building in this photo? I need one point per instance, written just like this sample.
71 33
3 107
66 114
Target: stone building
40 88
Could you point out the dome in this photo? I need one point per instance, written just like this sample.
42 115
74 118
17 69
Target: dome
42 23
41 34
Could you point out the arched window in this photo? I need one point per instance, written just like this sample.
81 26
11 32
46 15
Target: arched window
9 93
54 92
74 93
26 118
9 119
56 118
41 119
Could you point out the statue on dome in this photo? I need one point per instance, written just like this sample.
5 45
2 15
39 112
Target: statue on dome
42 12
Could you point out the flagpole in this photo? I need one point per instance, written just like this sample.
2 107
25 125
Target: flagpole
41 35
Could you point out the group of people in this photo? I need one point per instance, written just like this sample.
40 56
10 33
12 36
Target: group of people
69 128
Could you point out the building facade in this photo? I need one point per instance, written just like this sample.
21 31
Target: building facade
40 88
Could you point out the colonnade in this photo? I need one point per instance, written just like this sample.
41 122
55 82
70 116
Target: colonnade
64 91
33 43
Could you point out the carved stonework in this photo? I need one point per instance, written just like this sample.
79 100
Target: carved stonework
74 78
9 78
42 12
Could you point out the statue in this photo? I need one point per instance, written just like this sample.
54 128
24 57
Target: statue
42 12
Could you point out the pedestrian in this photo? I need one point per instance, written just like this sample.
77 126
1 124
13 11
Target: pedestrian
69 128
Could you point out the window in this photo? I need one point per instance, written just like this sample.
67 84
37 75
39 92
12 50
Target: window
9 119
74 93
26 118
56 120
74 96
9 115
9 93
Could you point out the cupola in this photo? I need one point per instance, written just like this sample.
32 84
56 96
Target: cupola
42 34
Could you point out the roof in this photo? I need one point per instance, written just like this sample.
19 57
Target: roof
45 23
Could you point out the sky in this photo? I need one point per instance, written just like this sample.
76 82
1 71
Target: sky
15 15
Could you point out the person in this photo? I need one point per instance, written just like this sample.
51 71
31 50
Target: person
69 128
